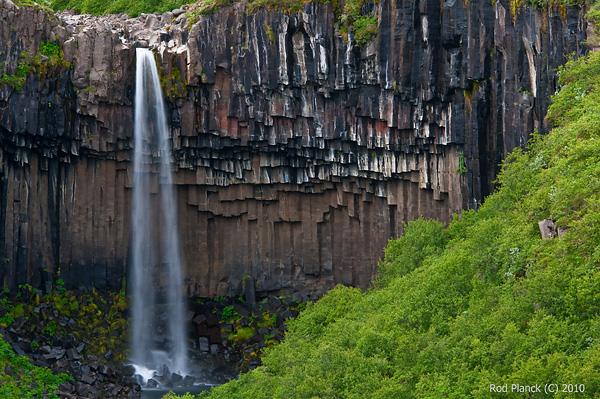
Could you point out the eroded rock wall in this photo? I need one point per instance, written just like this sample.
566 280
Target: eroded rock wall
298 153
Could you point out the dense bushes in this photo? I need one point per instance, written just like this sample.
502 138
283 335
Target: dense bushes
485 301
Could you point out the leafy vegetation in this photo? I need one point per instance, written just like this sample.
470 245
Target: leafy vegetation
484 301
365 28
17 80
205 7
48 60
462 164
593 14
171 395
133 8
49 49
21 379
38 6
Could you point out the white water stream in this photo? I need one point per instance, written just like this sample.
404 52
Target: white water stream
156 255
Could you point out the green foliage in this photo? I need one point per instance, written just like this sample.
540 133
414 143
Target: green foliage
288 6
7 320
89 89
269 32
365 28
49 59
485 301
26 380
174 86
462 164
60 285
49 49
593 14
550 3
50 328
204 7
352 18
241 335
171 395
422 238
6 303
16 81
31 3
99 317
130 7
227 313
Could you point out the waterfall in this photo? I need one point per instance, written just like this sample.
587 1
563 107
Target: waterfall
156 255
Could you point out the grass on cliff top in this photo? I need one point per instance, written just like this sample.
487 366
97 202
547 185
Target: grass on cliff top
484 301
132 8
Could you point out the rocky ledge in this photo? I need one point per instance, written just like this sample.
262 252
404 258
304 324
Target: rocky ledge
299 152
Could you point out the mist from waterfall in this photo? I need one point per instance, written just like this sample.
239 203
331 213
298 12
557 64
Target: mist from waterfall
156 251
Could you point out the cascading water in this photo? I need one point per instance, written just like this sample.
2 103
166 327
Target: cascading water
155 238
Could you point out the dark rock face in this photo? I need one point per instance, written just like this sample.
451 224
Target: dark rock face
298 154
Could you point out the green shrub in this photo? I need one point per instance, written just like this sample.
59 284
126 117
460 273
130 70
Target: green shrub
227 313
17 80
422 238
462 164
365 28
49 49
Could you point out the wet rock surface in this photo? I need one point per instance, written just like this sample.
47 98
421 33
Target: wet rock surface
298 153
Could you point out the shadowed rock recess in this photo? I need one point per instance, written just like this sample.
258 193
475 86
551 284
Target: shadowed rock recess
298 153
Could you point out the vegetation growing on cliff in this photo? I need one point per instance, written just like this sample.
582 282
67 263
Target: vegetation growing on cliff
483 302
98 318
16 80
48 60
21 379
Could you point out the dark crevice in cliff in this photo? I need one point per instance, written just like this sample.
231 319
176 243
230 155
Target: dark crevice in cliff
54 212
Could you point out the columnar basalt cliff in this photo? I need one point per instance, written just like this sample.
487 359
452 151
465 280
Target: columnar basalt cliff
298 153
